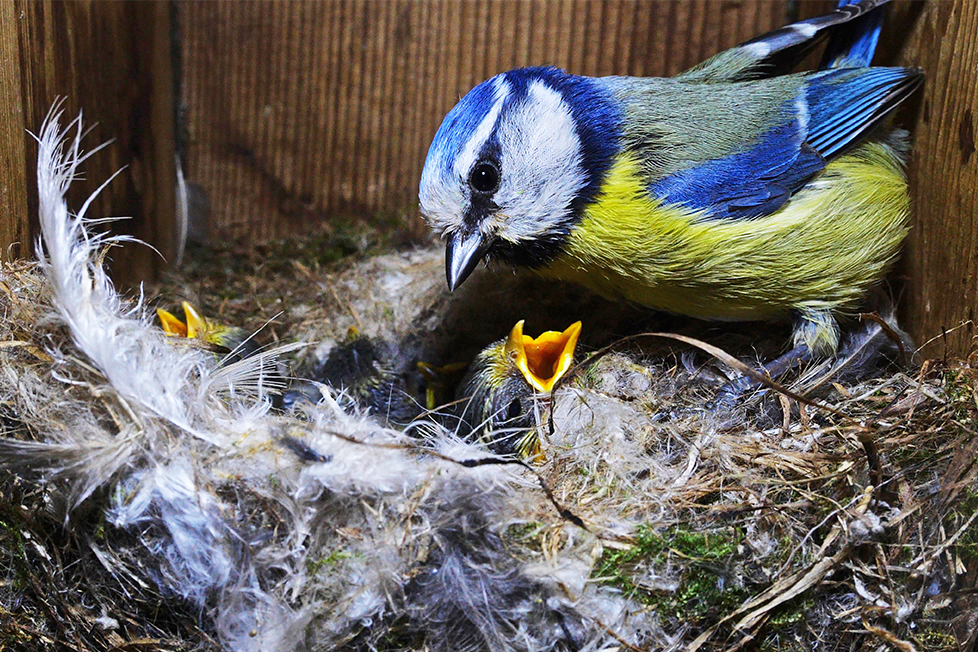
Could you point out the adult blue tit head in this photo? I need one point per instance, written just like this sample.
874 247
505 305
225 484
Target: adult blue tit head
513 164
731 191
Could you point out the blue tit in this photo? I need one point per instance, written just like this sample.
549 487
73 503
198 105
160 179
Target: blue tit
231 342
498 391
730 192
362 366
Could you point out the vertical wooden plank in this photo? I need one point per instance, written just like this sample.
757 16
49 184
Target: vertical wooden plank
415 139
717 25
591 42
525 23
502 18
282 124
406 39
577 18
15 235
365 85
670 17
941 258
563 37
624 32
482 51
308 149
113 60
155 121
540 30
638 60
610 46
698 47
325 162
373 170
466 46
429 113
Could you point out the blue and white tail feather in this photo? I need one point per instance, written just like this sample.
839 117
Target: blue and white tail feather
853 29
853 44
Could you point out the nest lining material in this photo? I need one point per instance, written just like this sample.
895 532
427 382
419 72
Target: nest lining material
155 501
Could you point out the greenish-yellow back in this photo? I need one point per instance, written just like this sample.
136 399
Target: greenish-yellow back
822 250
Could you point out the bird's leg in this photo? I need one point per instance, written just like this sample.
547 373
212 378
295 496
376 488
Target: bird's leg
816 335
794 358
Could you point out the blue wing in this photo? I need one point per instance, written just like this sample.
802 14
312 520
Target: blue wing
834 110
748 184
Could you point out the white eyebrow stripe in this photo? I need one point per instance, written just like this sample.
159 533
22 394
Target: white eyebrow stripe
467 155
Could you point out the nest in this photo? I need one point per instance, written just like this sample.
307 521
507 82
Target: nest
657 518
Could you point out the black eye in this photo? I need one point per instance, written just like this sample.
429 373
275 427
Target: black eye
515 410
484 177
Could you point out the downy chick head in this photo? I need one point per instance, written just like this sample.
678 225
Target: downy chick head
497 394
513 163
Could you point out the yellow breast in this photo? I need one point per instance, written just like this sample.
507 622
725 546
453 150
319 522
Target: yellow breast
835 238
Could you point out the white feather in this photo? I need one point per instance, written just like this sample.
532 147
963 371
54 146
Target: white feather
226 517
133 355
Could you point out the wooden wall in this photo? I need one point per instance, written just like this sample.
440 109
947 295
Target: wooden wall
941 258
112 59
298 111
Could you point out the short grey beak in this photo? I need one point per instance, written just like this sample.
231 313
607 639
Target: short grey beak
463 253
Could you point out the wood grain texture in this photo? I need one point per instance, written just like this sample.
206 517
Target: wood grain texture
112 60
14 216
302 111
941 258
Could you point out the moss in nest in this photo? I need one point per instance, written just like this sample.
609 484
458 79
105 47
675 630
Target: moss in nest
330 561
12 529
792 614
523 532
706 588
780 641
936 639
967 544
344 238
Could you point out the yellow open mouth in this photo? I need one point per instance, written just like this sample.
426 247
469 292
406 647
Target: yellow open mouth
195 327
545 359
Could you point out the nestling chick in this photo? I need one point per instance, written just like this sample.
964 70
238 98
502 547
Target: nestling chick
361 367
230 341
729 192
497 392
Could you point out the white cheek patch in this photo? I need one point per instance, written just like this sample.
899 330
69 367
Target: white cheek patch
541 165
444 190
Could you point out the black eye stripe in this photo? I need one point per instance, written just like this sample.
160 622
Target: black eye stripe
484 177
